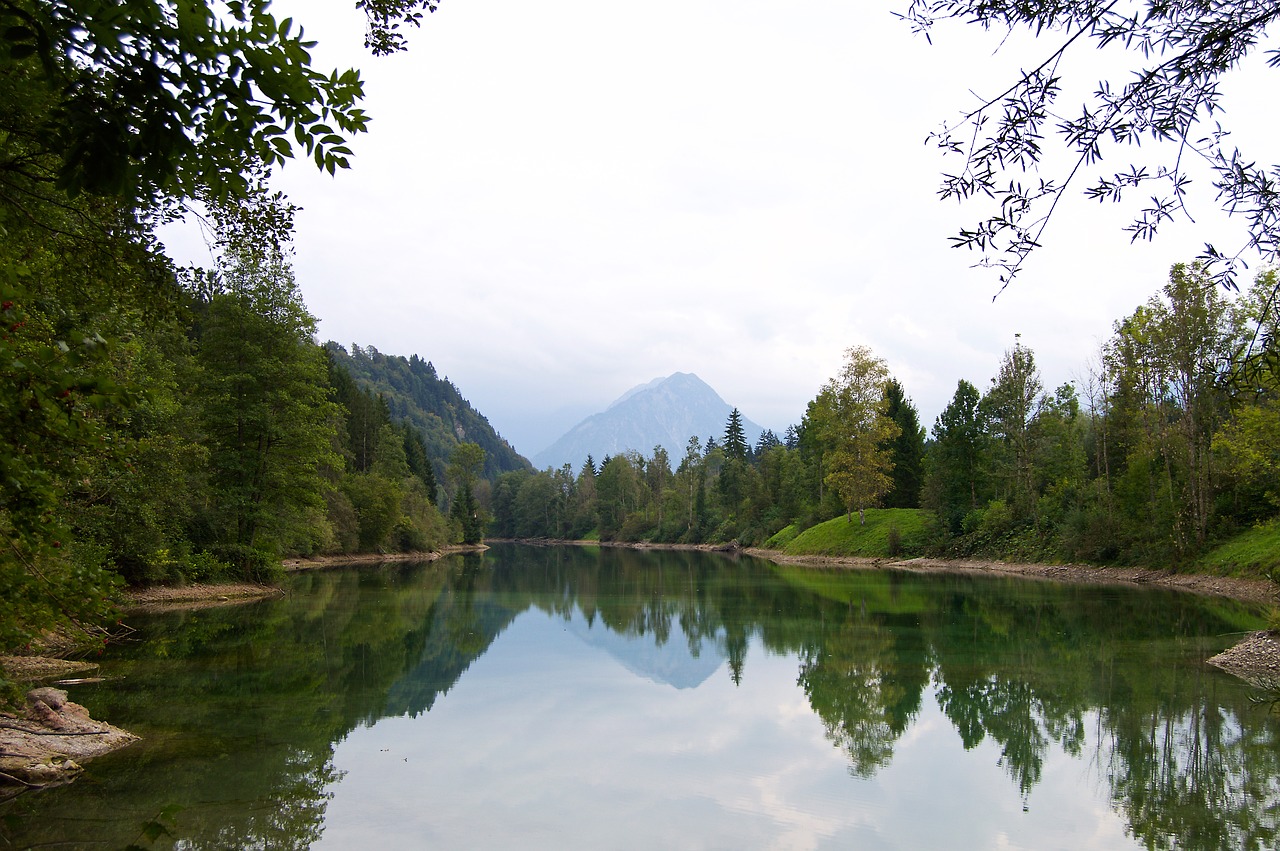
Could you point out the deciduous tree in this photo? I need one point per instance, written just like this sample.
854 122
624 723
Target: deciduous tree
850 414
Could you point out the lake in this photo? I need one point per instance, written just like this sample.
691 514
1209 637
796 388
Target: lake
580 697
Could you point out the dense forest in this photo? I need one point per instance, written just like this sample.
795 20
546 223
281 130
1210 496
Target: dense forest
1170 442
414 394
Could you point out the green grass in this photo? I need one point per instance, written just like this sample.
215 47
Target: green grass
839 537
782 537
1254 552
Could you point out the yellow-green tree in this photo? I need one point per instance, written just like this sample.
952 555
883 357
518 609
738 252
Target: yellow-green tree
851 418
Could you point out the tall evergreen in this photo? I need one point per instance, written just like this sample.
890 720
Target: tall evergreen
906 450
735 438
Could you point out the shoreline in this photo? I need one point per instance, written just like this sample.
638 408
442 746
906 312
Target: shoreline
1255 659
1259 591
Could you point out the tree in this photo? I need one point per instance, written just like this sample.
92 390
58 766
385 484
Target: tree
657 475
955 484
175 99
464 464
617 494
263 386
733 473
768 440
906 450
1011 405
1166 360
1248 444
850 415
690 478
735 438
1181 51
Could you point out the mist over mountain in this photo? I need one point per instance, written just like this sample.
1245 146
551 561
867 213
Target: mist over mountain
665 412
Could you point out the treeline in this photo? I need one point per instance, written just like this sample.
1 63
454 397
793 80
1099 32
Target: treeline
722 489
167 425
1170 441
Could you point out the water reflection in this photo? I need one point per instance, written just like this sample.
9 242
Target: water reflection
540 671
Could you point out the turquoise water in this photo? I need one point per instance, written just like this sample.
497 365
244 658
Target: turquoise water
586 698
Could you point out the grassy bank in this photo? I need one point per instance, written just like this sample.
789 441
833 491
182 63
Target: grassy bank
903 533
887 533
1254 553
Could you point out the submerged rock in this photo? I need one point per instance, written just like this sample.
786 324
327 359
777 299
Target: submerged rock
45 745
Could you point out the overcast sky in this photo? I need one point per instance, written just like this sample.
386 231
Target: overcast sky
560 200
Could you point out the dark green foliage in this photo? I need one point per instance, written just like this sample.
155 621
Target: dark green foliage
467 514
265 408
158 99
414 393
956 482
417 459
768 440
906 450
735 439
376 502
162 425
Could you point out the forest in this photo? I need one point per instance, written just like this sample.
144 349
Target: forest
1169 443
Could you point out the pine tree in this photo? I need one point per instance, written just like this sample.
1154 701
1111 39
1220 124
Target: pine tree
735 438
906 450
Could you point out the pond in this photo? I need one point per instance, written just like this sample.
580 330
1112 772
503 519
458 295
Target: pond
598 698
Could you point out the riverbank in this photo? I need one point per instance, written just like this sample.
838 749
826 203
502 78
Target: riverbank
316 562
43 742
1255 659
1260 591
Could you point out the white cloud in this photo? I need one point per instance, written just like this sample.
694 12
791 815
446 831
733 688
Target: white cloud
560 200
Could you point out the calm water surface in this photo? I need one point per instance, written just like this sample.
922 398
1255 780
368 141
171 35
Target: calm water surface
583 698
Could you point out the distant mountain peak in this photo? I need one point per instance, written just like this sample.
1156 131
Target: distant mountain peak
665 412
674 379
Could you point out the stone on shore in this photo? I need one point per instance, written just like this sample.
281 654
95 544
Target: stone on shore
46 743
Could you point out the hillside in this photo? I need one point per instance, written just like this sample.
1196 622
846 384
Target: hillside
414 392
665 412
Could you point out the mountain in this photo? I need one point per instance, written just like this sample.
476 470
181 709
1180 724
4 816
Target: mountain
414 392
665 412
674 662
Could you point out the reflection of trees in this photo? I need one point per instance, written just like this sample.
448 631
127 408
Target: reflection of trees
1192 776
850 680
1008 711
271 687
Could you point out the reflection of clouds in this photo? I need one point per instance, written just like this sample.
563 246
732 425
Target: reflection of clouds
531 750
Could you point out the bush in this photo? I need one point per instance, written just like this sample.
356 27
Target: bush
206 567
893 541
250 564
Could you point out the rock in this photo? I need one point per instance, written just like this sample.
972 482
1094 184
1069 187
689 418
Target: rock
42 746
1254 660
